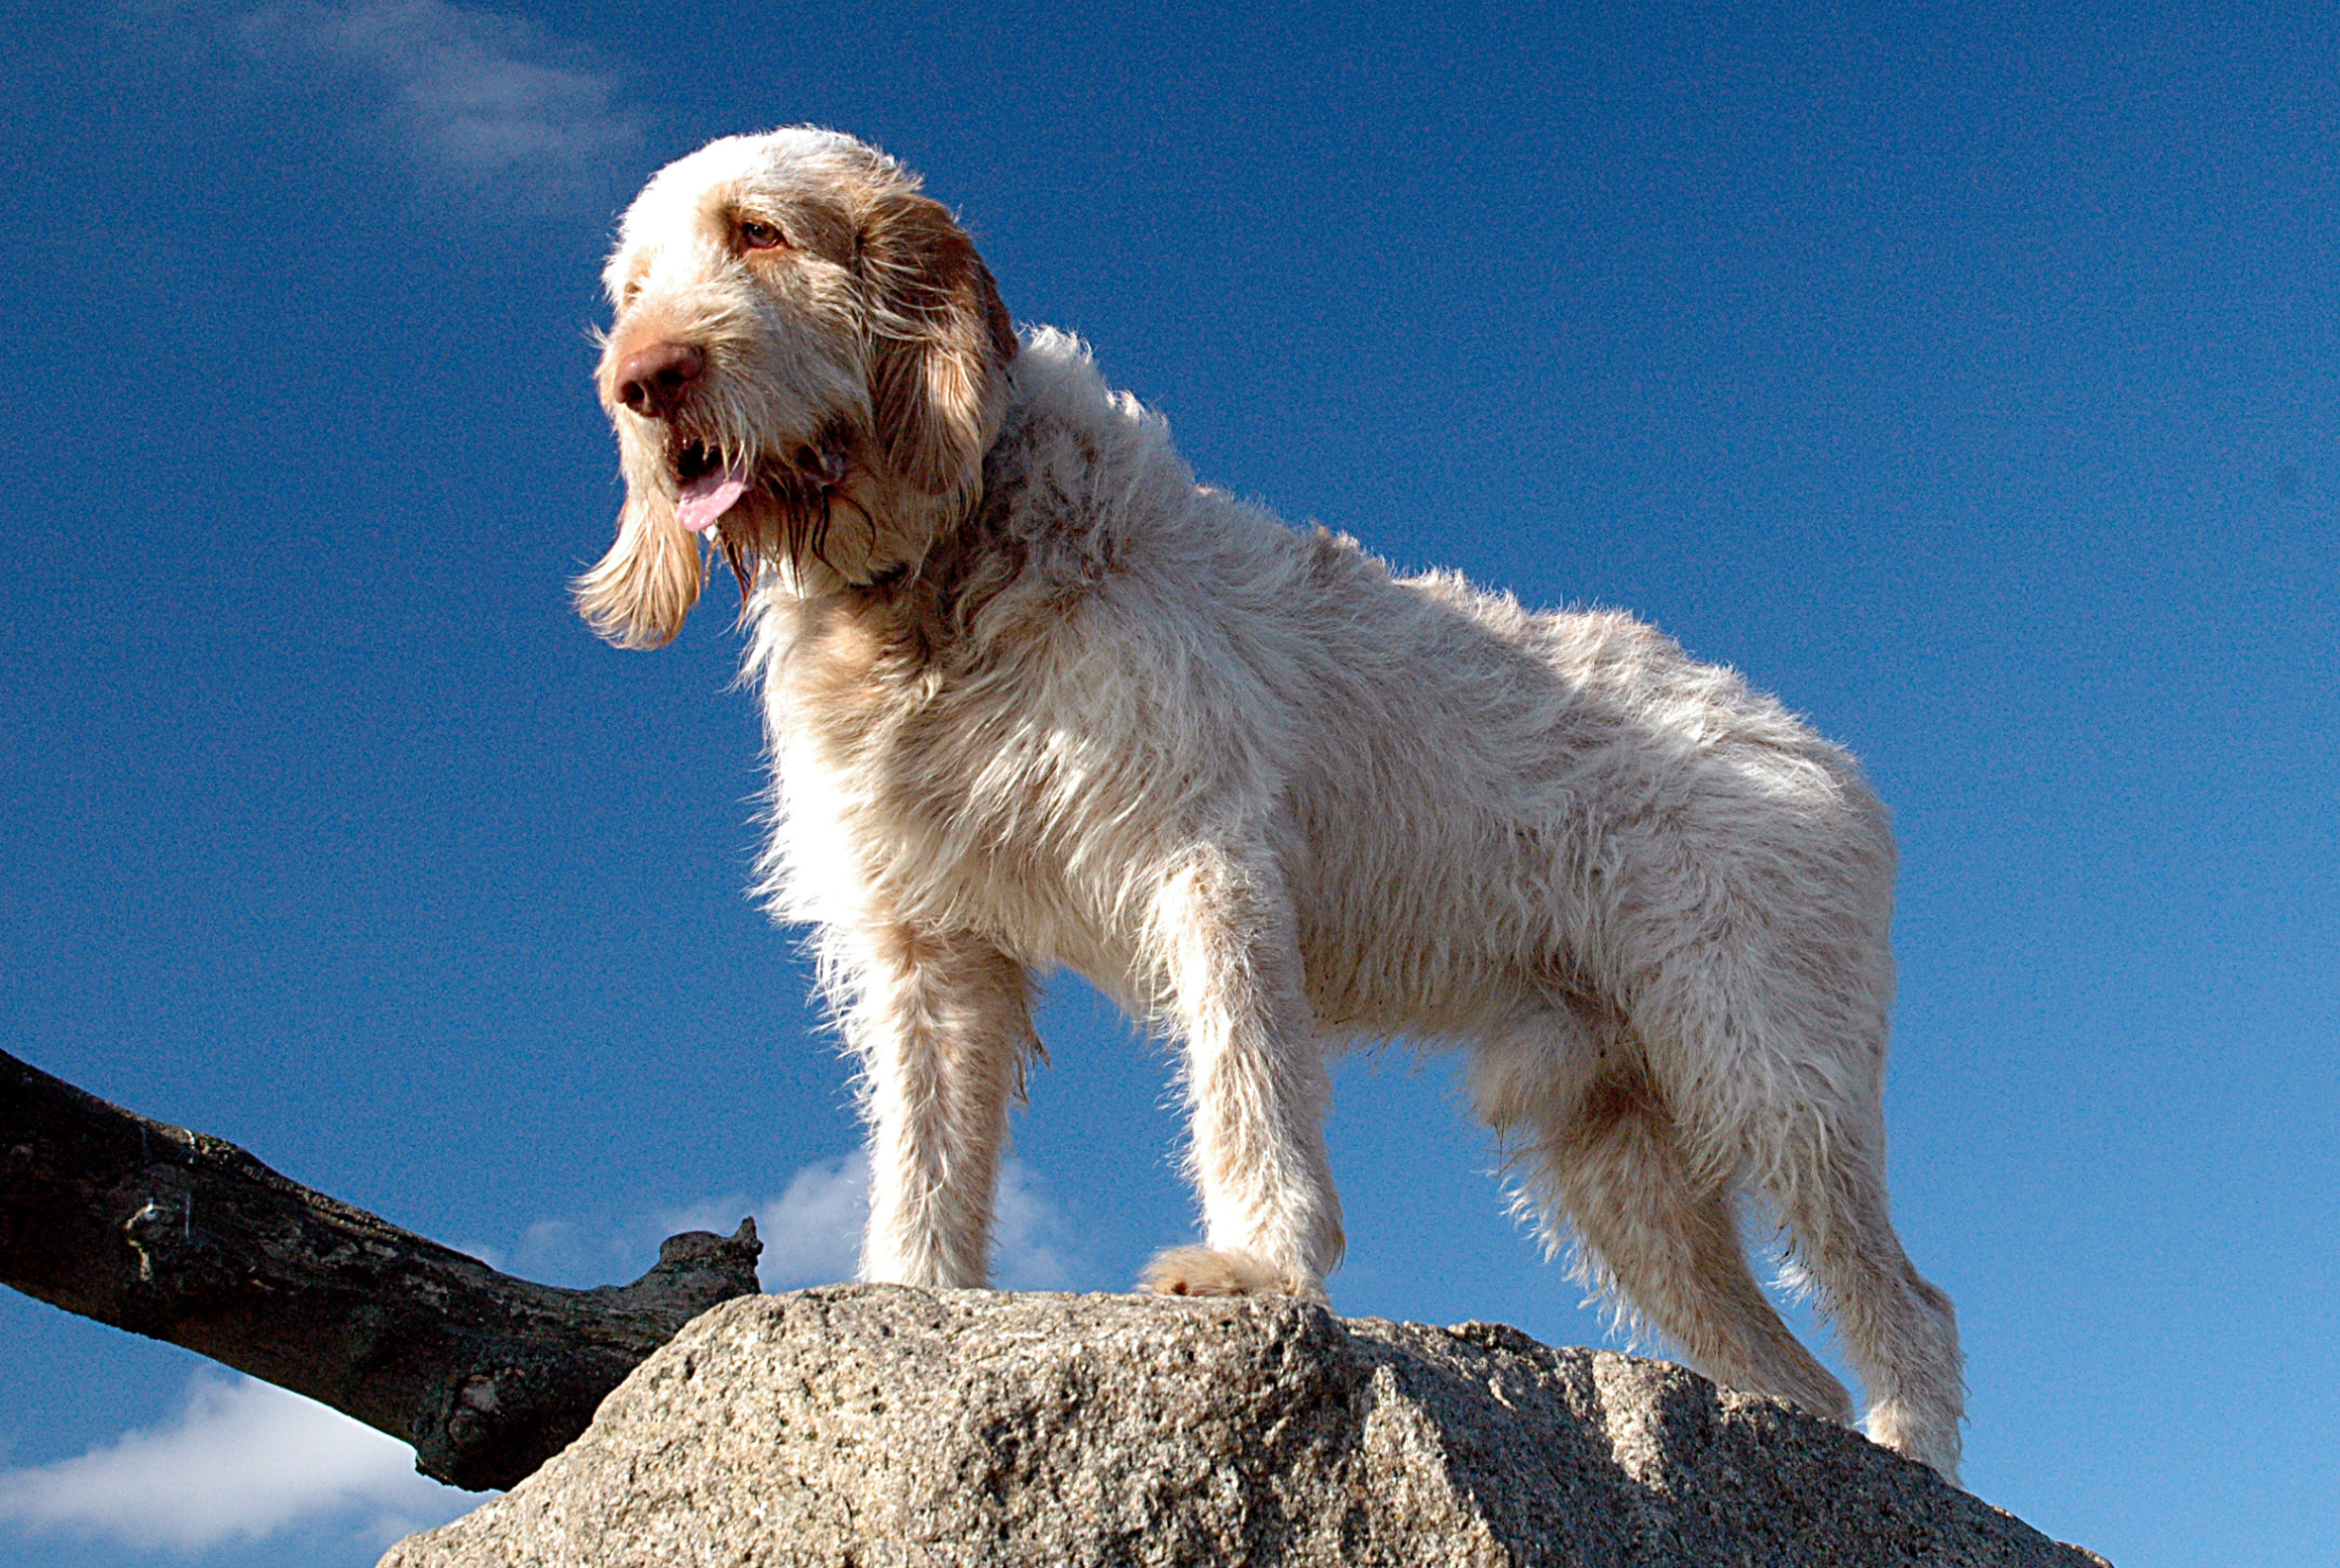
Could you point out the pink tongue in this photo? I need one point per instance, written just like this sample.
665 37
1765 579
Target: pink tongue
706 498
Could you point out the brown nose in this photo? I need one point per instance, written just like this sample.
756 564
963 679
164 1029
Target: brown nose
653 381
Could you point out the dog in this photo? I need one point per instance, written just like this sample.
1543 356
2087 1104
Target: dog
1036 699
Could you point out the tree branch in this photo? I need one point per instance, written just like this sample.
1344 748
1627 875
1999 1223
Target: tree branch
186 1238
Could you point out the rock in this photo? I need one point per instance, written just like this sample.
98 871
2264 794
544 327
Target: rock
876 1427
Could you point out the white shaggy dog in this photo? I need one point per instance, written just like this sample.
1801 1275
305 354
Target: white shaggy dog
1035 698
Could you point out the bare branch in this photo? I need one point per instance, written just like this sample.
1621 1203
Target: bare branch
189 1239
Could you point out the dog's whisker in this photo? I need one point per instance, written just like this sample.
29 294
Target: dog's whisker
820 531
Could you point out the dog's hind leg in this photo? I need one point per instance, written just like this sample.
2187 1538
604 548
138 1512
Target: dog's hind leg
1778 1067
1898 1329
1597 1150
1257 1084
942 1025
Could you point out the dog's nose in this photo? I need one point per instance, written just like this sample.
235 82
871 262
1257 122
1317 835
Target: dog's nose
653 381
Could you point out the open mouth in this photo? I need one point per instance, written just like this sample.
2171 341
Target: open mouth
695 459
711 486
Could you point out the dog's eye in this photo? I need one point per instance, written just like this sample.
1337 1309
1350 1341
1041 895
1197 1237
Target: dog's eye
758 236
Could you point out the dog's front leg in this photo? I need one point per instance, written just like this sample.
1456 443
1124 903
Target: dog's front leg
1225 947
942 1025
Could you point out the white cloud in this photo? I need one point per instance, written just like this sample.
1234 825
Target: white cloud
1026 1229
242 1459
811 1231
474 95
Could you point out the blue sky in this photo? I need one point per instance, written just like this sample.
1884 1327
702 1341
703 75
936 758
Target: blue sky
1966 376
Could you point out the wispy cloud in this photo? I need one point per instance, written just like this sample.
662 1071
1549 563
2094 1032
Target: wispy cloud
810 1229
245 1460
472 95
241 1460
1029 1236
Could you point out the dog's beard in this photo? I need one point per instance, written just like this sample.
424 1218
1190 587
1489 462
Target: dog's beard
810 514
800 522
800 506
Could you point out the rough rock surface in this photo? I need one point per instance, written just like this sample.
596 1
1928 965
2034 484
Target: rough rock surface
874 1426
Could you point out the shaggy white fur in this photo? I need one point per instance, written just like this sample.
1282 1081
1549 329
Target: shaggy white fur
1037 699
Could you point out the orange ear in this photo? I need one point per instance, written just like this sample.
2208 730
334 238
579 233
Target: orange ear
939 340
638 594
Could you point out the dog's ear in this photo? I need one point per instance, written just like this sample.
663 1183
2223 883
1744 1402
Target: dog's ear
638 594
940 341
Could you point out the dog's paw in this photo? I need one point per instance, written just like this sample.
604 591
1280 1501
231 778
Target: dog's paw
1212 1271
1898 1426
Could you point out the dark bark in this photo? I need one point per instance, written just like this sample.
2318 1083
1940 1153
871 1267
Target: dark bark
187 1239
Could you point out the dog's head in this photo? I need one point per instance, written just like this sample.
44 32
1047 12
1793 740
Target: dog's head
805 369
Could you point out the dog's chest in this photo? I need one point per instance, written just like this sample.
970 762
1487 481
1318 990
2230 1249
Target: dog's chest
937 795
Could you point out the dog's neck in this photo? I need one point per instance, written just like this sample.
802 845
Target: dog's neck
1075 471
